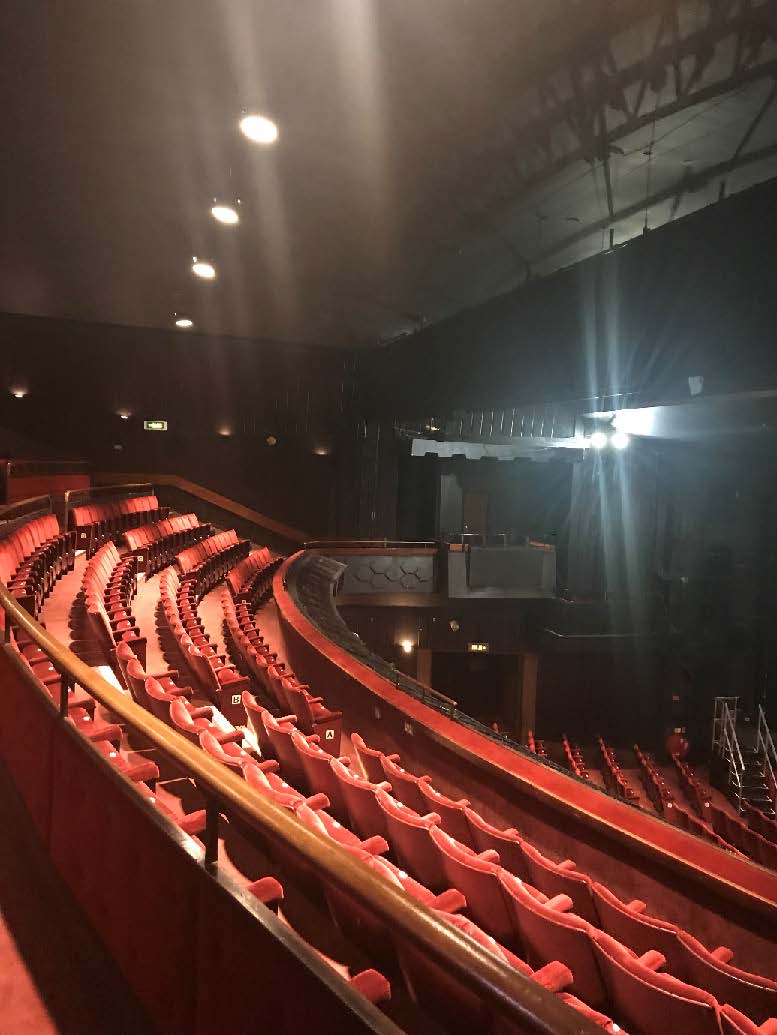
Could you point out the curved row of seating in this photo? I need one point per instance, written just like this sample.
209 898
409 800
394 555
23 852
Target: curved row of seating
614 780
537 747
418 840
260 768
109 587
732 831
574 759
278 682
155 545
737 833
760 822
210 560
96 523
251 580
33 557
212 671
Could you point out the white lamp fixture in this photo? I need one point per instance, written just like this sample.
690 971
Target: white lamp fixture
259 129
226 214
204 270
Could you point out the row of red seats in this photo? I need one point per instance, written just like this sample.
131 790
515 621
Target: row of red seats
699 795
308 766
209 561
156 545
760 822
279 683
213 672
311 757
412 835
655 785
96 523
337 812
727 831
109 585
33 557
537 747
304 757
736 832
251 579
462 823
483 863
574 758
614 780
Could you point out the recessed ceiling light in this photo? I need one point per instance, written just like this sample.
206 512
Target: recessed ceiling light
205 270
184 322
225 214
259 128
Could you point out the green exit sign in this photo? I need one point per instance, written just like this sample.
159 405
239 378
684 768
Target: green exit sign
155 425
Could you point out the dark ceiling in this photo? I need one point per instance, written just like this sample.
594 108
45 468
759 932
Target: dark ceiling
432 154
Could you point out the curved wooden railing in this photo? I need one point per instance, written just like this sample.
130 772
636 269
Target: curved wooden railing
532 1007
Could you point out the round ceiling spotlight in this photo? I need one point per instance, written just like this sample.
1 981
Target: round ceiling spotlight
204 270
598 440
259 129
184 322
619 440
226 214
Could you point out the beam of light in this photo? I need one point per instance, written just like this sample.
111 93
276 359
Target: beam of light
598 440
620 440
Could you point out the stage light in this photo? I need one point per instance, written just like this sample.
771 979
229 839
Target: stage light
204 270
184 323
407 646
620 440
636 422
225 214
598 440
259 129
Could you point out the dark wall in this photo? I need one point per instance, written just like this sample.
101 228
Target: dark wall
78 376
695 297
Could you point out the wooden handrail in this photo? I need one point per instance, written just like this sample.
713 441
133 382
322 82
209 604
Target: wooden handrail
495 982
10 511
295 535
